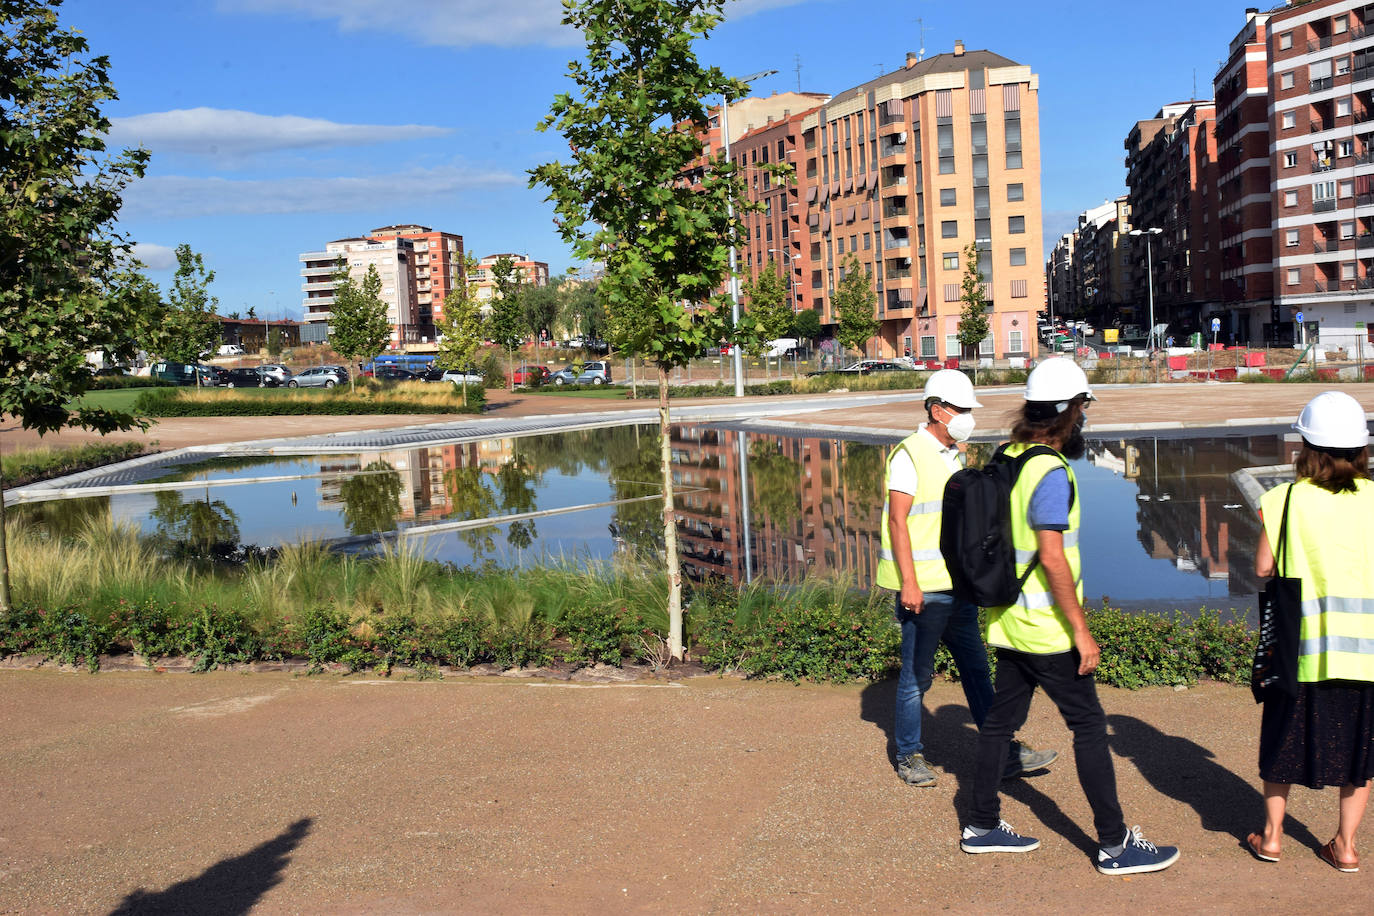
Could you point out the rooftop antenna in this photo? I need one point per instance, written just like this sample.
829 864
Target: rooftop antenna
797 58
880 69
1195 83
921 24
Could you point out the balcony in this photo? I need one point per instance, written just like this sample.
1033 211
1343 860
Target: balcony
1323 246
1316 125
1318 45
1365 241
1324 206
1319 84
317 271
1322 165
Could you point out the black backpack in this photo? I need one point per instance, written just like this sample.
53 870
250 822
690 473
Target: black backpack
975 529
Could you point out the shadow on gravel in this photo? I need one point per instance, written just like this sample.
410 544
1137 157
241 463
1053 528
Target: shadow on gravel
228 887
1188 772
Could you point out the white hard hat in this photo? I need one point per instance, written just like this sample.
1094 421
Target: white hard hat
952 387
1333 419
1057 379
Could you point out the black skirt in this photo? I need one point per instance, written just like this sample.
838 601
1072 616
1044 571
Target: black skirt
1322 737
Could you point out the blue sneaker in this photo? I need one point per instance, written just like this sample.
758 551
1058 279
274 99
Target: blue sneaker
1002 839
1137 856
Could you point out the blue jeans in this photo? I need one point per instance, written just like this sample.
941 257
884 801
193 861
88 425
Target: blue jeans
943 617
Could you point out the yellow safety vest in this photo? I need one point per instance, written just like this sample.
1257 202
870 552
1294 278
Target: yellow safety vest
1033 624
923 521
1331 549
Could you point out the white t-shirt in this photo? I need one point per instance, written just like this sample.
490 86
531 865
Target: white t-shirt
901 474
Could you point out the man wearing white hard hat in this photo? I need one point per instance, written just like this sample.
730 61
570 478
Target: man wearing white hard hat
1317 728
1042 640
911 565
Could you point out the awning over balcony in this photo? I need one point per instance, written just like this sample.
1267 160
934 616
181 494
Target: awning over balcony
811 194
865 210
894 108
850 214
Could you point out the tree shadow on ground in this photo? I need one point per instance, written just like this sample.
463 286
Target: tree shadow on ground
1188 772
228 887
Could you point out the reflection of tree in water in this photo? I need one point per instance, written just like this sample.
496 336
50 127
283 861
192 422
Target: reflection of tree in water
371 501
63 519
199 528
863 470
774 483
516 481
630 456
470 497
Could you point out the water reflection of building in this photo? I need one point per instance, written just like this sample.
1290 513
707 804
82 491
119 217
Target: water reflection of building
1187 508
424 494
807 514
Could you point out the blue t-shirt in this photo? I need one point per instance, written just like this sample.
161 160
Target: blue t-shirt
1049 505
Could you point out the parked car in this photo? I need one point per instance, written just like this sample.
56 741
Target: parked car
780 347
530 375
393 374
596 345
248 377
596 372
319 377
468 376
432 374
230 350
108 371
278 372
866 367
181 373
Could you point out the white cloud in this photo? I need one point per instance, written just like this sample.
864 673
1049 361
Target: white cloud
155 257
225 133
456 23
181 196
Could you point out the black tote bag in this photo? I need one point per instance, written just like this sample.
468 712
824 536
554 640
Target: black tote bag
1275 668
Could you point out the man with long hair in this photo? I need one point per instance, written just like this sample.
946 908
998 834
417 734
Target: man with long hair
1042 640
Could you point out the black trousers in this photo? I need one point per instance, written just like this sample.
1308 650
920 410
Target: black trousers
1075 695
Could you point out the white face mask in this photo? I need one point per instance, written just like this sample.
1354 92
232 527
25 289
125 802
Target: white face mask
960 426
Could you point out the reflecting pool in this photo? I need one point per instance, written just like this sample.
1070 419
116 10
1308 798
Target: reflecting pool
1163 524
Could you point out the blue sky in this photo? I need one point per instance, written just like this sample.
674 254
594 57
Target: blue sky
278 125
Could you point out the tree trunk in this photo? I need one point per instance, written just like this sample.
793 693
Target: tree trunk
5 605
669 521
510 369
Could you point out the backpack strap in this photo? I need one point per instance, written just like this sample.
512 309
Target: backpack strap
1020 462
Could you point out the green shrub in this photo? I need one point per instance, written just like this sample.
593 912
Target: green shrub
1226 648
26 466
218 637
521 645
323 635
1143 650
399 639
68 635
112 382
337 403
493 375
596 635
460 641
831 642
150 629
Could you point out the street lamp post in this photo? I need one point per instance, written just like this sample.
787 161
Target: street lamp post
1149 280
730 212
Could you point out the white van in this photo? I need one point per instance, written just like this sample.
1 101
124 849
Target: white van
230 350
780 347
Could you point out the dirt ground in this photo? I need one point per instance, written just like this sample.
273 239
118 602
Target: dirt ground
140 792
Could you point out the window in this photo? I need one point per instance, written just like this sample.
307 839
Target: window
1014 342
1018 257
839 245
1290 160
1016 225
946 165
1286 80
1342 64
1323 190
1013 159
1288 120
1294 276
1348 229
1290 238
951 345
985 346
1339 25
1345 148
1285 41
1348 270
1290 198
948 197
928 347
1342 107
949 229
1346 188
1016 192
868 241
951 260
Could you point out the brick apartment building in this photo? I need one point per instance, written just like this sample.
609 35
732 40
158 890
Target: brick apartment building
1244 194
905 171
1172 180
438 264
530 272
1321 90
394 259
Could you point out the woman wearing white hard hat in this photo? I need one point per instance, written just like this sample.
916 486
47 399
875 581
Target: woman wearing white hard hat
1320 731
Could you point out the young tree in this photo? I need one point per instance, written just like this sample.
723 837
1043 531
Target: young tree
358 325
633 127
854 300
192 328
539 307
276 342
973 320
460 328
807 325
768 305
68 280
581 309
506 321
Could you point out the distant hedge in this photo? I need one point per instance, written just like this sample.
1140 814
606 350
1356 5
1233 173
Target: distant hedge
109 382
175 404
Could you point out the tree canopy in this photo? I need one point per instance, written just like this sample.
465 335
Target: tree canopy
192 326
854 300
358 325
973 319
